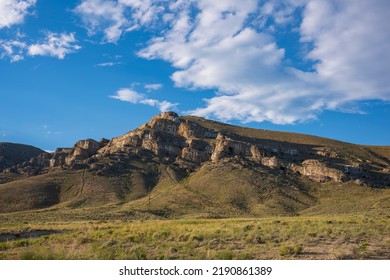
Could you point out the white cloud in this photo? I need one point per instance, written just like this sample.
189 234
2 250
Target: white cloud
243 65
352 47
14 11
97 14
112 18
153 86
13 49
167 106
233 47
130 95
247 67
56 45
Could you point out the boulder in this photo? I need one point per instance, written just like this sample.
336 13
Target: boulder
272 162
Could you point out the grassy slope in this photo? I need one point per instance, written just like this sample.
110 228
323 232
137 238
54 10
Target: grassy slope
253 191
70 189
246 192
241 192
348 198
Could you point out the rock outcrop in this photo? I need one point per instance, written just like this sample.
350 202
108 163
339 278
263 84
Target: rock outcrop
318 171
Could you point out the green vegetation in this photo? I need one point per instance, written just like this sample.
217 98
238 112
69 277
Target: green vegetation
290 250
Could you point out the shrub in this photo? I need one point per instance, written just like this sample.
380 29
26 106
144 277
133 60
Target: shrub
255 238
3 246
244 256
29 255
224 255
197 238
290 250
138 253
240 201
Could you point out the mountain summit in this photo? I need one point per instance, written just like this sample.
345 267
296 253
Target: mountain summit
174 165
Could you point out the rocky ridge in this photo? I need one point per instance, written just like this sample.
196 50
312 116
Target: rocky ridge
12 154
186 144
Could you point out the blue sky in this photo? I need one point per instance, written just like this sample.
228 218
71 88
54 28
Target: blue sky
72 70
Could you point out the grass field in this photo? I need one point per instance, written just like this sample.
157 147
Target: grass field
304 237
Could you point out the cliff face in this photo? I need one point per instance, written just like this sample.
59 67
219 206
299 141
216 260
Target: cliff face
318 171
187 144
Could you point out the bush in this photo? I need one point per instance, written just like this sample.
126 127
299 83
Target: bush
290 250
255 238
28 256
240 201
138 253
224 255
199 238
3 246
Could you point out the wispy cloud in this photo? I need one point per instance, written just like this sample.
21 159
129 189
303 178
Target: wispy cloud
48 131
56 45
150 87
14 11
108 64
112 61
13 49
112 16
134 97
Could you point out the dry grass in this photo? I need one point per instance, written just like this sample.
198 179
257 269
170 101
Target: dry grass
331 237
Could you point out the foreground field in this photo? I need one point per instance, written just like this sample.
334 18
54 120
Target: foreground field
304 237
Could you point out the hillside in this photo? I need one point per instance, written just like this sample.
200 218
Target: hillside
12 154
174 167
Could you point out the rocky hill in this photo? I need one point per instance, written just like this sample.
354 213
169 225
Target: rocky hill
12 154
173 166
